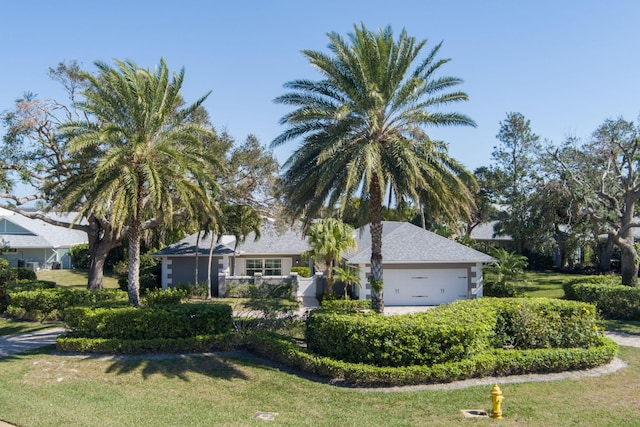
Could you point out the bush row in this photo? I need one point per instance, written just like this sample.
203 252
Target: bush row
613 300
527 323
345 304
446 333
145 323
452 332
496 362
196 344
45 303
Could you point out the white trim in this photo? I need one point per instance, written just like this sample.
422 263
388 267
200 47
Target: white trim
166 270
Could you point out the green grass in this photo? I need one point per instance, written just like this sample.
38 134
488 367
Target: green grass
40 389
10 327
544 284
625 326
74 278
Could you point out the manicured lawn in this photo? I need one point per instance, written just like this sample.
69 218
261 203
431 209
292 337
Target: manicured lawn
545 284
47 390
625 326
74 278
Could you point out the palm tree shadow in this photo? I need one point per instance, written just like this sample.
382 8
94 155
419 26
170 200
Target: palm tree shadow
183 367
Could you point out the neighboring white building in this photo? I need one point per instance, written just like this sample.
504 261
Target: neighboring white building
36 244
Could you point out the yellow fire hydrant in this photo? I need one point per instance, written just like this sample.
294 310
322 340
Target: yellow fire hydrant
496 401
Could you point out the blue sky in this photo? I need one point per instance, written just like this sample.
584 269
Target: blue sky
565 65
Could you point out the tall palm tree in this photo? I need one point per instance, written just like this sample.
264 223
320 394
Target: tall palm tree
363 127
148 150
329 239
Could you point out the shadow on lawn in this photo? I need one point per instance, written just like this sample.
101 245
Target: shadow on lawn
178 366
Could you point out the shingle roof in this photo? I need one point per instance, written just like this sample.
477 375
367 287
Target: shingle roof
403 242
272 241
43 235
486 231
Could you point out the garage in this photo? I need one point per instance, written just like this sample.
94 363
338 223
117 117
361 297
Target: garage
424 286
419 267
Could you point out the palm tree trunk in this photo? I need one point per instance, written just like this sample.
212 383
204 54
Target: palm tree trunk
375 214
209 293
135 232
195 283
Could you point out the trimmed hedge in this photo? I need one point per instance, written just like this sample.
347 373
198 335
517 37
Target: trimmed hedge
453 332
145 323
496 362
446 333
196 344
45 303
346 304
528 323
614 301
30 285
164 297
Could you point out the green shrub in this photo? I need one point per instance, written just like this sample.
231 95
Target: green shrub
79 255
164 297
446 333
149 274
22 273
7 276
345 305
527 323
200 343
500 289
163 321
613 301
495 362
239 290
303 271
47 303
197 291
30 285
263 291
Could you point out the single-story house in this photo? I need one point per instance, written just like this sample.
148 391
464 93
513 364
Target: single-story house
36 244
272 255
420 267
485 233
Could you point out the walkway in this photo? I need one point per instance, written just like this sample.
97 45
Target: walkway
14 344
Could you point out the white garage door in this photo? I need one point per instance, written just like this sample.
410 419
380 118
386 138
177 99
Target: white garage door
424 287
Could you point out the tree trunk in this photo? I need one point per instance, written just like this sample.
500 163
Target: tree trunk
209 293
100 244
328 270
605 251
197 260
375 214
135 232
629 264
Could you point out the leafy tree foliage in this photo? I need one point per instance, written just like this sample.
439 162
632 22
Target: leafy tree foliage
363 129
604 177
329 239
516 163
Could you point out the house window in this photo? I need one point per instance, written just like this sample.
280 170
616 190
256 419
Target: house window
273 267
253 266
267 267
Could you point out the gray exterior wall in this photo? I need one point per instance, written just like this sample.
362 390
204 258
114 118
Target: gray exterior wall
183 270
